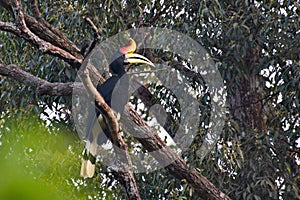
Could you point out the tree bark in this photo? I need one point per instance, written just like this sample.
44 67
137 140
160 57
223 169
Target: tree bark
164 154
42 86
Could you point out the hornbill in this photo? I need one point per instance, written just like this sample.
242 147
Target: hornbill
115 93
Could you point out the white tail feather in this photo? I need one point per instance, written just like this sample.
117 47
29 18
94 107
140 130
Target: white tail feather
87 169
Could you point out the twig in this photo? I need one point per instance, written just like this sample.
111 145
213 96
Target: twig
96 35
91 23
150 71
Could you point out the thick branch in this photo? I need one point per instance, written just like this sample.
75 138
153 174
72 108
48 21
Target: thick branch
43 87
60 89
16 73
53 35
164 154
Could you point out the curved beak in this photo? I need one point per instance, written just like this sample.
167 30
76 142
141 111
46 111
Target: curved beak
131 58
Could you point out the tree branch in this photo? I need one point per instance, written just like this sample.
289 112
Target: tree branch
164 154
43 87
96 36
10 27
58 39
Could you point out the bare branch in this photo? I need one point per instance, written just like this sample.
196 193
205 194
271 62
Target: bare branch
58 38
60 89
164 154
22 31
43 45
10 27
43 87
93 26
16 73
52 42
19 17
96 35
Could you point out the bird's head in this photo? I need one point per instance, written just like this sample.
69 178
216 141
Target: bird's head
127 56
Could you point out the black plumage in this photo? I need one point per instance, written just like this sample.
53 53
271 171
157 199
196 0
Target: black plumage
115 93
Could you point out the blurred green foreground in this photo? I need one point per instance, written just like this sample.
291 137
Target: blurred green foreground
38 162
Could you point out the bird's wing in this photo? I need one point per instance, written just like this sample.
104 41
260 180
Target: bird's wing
115 92
106 89
96 135
97 131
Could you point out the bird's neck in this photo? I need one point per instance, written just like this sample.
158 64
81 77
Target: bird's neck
119 74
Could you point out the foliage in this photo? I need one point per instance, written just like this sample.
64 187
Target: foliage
40 162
